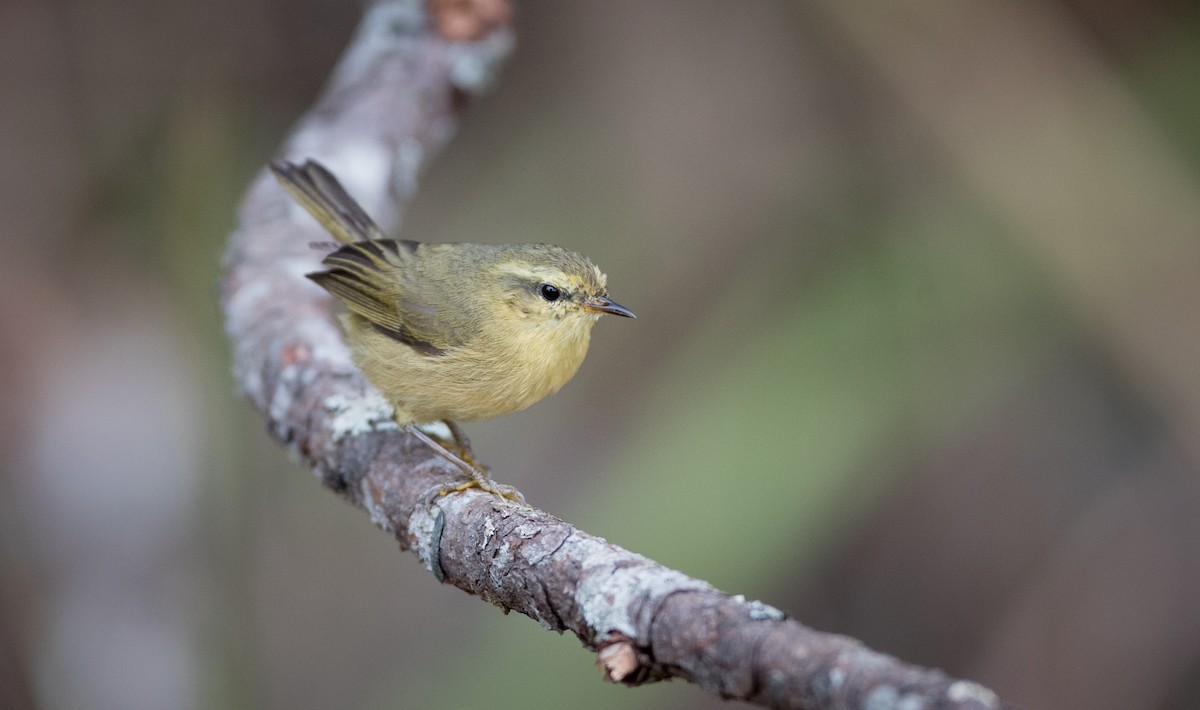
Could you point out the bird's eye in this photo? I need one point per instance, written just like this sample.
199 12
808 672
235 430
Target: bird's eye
549 292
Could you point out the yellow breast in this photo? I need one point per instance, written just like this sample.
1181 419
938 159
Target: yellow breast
494 374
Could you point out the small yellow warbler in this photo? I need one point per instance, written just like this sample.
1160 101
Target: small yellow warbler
455 330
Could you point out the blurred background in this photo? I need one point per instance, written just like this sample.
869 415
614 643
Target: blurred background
917 356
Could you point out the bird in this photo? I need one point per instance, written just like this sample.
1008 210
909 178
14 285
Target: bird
452 331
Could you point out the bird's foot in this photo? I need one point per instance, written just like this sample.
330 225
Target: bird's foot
502 490
464 460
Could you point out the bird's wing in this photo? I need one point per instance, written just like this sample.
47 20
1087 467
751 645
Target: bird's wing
377 278
380 280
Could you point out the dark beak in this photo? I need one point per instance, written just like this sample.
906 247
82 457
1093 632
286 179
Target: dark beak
602 304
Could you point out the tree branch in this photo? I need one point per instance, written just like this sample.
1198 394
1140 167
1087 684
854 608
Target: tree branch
391 103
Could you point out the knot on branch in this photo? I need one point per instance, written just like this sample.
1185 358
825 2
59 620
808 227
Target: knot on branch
620 660
469 20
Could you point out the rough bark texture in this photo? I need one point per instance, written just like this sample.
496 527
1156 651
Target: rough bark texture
390 104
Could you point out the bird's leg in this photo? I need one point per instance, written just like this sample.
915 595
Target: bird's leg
457 442
463 444
479 478
460 436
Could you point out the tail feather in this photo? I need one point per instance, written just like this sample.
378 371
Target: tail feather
319 192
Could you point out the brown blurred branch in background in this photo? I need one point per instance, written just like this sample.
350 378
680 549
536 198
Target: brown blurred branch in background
390 104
